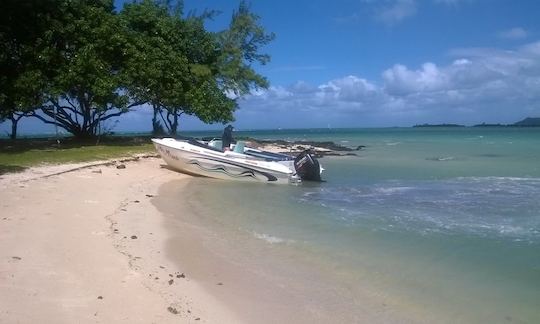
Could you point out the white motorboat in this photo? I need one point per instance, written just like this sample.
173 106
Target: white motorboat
242 163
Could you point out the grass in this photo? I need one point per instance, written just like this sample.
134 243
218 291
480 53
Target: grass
16 156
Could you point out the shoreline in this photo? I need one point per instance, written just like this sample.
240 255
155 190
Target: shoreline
100 242
268 281
86 245
103 242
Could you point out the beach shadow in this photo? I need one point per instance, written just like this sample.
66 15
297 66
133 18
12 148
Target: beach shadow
11 169
27 144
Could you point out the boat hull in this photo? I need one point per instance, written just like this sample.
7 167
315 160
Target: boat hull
195 160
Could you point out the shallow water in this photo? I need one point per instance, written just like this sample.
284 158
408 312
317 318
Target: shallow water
434 223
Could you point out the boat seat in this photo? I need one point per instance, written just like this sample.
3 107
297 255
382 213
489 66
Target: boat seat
239 147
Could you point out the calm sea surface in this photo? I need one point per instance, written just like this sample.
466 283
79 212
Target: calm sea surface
443 223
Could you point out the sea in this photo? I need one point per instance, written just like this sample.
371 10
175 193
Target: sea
435 225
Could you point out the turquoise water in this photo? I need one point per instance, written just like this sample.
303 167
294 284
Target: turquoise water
438 223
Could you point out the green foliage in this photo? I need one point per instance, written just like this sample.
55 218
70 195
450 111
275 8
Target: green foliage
239 49
90 56
210 104
172 60
82 63
21 71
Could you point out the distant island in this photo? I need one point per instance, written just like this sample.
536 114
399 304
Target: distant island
439 125
490 125
527 122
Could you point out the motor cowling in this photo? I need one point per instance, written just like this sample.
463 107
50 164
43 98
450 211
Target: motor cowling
307 166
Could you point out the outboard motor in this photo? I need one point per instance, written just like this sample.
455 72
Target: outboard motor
307 167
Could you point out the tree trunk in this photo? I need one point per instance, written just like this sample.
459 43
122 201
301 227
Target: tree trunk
174 125
157 128
14 123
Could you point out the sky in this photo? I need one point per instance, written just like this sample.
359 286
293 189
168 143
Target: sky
385 63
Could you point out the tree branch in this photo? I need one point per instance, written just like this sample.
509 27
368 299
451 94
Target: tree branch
113 115
165 121
63 119
137 103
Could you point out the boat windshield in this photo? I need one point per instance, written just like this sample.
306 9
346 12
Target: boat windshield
206 146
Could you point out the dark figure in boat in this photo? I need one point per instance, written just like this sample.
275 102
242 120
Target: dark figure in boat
227 138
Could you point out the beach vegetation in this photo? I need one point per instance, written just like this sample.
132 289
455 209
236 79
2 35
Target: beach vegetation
74 52
22 76
78 64
178 67
22 154
170 66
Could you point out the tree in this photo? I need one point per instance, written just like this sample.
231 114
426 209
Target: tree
20 98
88 48
22 72
156 69
181 68
82 63
239 49
171 65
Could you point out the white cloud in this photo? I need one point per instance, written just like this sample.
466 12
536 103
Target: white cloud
400 80
513 33
532 49
480 84
349 88
396 11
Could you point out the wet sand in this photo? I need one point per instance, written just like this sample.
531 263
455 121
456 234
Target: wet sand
260 281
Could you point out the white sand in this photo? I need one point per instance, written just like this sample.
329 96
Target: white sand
86 247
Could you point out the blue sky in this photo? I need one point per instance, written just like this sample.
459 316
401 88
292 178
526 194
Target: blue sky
380 63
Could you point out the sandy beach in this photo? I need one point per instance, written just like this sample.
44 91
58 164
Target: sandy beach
132 241
103 242
84 244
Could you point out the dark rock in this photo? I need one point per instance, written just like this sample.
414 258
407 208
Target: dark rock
16 258
301 145
100 297
172 310
181 276
136 201
171 282
149 196
133 237
121 166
